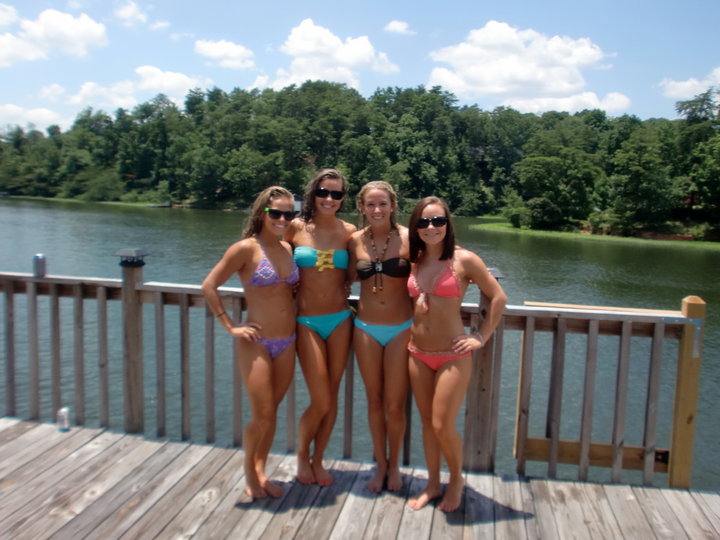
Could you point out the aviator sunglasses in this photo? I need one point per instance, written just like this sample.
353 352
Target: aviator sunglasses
437 222
322 193
274 213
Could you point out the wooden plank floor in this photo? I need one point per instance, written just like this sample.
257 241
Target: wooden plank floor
91 483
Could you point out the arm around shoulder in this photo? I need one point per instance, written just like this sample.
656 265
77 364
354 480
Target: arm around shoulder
478 272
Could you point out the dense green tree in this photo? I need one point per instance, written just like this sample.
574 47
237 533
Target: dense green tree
555 170
641 191
705 177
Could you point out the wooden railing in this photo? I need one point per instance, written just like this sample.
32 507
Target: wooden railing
527 325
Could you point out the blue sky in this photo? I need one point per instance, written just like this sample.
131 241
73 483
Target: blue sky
623 56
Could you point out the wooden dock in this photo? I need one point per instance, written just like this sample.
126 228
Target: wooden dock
94 483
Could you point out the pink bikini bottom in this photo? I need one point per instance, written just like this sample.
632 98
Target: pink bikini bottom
434 359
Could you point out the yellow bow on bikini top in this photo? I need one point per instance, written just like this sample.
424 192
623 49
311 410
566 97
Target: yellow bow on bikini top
325 259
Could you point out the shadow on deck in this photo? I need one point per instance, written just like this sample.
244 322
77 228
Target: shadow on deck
93 483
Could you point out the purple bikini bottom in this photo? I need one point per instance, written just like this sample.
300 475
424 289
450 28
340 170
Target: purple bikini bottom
276 346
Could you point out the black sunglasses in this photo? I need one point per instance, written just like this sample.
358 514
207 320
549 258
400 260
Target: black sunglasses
322 193
437 222
274 213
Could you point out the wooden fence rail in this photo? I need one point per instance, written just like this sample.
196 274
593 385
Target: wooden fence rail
529 324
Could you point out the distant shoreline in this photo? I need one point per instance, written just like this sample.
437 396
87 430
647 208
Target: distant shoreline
495 223
508 228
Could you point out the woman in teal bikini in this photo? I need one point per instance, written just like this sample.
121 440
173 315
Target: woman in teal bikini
379 255
324 324
440 350
266 341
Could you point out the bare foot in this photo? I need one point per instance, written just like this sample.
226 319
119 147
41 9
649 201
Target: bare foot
375 484
255 492
304 471
453 496
273 490
322 477
253 488
425 497
394 481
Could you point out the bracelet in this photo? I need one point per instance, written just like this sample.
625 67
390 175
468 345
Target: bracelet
220 314
479 337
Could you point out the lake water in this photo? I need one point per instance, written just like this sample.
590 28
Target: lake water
81 239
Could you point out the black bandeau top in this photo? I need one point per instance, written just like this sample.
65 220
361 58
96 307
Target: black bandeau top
396 267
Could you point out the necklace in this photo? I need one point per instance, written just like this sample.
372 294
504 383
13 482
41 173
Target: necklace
378 285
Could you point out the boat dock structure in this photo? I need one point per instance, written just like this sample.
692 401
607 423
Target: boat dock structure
601 404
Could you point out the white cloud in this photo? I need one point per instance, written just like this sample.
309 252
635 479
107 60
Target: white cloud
8 15
51 31
71 35
91 94
524 67
399 27
177 36
690 87
226 54
13 115
612 102
130 14
14 49
151 81
167 82
160 25
318 54
52 92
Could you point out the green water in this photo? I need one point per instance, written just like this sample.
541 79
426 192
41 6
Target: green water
81 239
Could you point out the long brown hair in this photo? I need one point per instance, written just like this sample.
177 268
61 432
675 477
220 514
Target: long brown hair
308 206
257 212
416 244
387 188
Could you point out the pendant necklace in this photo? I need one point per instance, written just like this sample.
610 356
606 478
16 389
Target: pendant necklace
378 286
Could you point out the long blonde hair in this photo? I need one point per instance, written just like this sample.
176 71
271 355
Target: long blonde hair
255 221
387 188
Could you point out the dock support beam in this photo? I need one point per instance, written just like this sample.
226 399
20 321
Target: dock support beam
687 384
131 261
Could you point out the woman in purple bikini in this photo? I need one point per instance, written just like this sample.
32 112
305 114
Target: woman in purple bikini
440 350
266 340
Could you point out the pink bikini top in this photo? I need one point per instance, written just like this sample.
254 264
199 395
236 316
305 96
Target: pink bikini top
446 285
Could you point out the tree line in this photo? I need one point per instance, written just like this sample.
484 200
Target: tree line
556 170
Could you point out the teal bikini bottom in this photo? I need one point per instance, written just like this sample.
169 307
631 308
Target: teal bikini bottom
324 325
382 333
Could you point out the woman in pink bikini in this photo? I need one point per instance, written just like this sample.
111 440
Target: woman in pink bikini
440 350
266 341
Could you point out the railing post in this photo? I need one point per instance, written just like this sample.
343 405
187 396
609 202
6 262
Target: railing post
476 446
132 262
686 392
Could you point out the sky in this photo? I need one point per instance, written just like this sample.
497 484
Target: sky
635 57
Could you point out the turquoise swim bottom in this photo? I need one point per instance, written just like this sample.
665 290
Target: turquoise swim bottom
381 333
324 325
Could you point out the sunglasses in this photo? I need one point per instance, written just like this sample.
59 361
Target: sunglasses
437 222
274 213
322 193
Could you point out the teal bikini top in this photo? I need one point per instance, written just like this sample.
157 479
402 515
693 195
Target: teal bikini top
307 257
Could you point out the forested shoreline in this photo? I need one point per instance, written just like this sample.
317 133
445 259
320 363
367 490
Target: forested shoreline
555 171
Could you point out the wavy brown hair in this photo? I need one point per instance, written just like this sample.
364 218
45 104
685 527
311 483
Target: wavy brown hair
417 245
257 212
387 188
308 206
